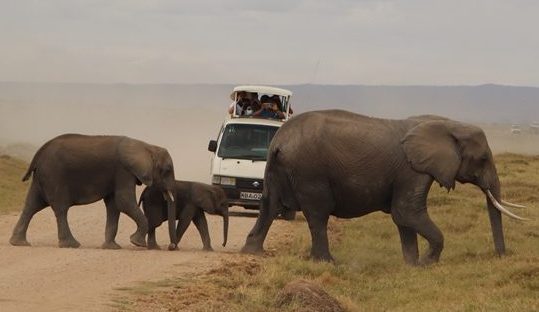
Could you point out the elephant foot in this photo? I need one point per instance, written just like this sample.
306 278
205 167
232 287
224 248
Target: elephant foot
321 256
69 243
412 262
207 248
426 261
154 246
138 240
253 249
173 246
15 241
111 245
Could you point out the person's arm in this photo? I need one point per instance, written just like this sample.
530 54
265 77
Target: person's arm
258 112
262 107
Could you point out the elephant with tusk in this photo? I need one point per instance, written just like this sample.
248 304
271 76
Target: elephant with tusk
348 165
192 200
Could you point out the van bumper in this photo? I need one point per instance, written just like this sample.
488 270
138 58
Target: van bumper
236 195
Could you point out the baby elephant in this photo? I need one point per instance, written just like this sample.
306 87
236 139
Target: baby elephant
192 199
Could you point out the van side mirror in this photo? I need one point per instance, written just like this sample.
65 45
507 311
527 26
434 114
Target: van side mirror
212 146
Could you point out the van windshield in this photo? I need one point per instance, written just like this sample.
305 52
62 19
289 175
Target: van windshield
245 141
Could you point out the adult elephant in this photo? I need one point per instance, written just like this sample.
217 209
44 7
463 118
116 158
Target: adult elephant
192 200
74 169
348 165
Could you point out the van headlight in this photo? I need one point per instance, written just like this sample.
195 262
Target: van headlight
223 180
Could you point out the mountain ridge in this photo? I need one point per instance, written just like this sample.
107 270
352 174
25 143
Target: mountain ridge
490 103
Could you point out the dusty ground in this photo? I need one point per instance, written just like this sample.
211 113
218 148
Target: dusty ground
46 278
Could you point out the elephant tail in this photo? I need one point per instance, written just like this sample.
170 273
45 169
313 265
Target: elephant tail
280 182
39 153
29 172
33 163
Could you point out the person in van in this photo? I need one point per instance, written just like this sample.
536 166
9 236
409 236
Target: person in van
241 97
269 109
251 108
277 99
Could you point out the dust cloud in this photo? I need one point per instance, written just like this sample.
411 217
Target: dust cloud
183 118
183 128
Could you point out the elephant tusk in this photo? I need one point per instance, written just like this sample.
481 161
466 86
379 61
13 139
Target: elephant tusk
502 208
170 194
512 205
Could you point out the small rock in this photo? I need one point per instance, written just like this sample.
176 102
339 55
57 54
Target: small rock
309 296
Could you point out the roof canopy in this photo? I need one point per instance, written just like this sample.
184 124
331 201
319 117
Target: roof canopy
262 89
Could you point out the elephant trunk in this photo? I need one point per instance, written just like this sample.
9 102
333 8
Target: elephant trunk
225 226
495 217
171 214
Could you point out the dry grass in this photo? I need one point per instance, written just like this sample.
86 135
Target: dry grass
12 190
369 273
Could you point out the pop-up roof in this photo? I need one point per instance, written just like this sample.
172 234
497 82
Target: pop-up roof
261 90
264 90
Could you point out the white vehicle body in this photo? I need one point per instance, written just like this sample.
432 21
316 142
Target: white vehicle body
239 153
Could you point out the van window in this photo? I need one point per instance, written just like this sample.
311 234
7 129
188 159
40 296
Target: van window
245 141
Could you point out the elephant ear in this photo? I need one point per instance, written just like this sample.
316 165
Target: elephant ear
431 148
137 159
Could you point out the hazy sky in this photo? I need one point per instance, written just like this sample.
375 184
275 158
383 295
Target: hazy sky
405 42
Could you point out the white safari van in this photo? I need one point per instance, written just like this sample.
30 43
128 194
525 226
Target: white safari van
239 153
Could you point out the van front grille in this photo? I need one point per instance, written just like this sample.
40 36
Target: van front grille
254 184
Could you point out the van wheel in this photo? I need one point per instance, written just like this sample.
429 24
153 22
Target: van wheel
289 215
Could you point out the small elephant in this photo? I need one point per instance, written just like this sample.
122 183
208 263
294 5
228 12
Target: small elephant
192 199
74 169
347 165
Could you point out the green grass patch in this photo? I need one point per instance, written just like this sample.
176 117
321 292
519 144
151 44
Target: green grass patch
12 190
369 273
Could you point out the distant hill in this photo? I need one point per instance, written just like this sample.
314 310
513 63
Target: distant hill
485 103
22 151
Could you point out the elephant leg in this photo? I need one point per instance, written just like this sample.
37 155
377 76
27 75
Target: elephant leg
33 204
65 238
318 224
267 213
126 203
410 250
420 223
409 212
317 207
111 228
186 216
152 242
428 230
202 226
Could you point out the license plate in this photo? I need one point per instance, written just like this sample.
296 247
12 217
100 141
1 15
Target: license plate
251 196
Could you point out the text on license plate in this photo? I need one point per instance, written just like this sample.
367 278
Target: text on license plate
249 195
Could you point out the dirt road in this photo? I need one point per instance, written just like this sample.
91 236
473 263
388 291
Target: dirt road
47 278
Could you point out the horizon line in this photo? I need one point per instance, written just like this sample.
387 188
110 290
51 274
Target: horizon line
487 84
